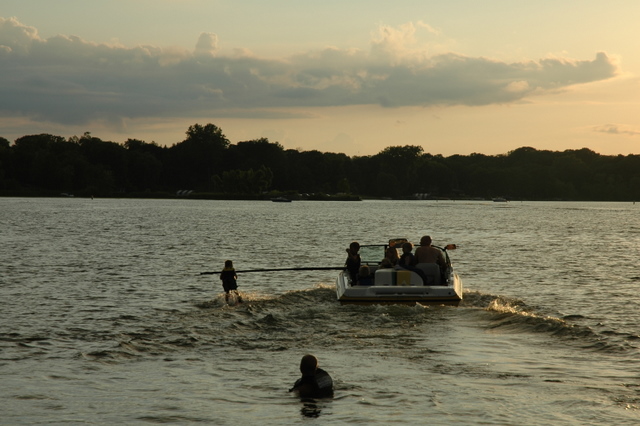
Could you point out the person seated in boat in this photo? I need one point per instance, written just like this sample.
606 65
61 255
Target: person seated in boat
365 277
385 264
407 259
391 253
428 254
315 382
353 261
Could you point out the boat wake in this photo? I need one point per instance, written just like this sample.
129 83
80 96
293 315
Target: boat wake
513 315
312 317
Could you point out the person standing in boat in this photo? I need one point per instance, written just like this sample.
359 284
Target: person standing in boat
229 284
315 382
353 261
428 254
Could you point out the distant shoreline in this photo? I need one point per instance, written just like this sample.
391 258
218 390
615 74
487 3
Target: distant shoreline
191 196
304 197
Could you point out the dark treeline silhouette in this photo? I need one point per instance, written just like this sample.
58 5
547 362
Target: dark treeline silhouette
207 165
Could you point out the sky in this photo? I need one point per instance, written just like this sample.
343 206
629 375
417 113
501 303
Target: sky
355 77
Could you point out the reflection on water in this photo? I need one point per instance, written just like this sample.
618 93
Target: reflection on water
310 408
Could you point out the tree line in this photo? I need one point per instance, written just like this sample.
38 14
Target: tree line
206 165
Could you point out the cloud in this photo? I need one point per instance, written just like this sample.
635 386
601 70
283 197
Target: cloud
617 129
207 45
68 80
15 37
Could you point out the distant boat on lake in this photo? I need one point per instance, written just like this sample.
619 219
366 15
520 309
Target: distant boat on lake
280 200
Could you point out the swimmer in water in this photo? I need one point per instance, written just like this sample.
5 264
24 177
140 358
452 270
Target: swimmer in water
315 382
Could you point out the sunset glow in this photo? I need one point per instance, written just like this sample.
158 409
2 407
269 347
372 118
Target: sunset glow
352 77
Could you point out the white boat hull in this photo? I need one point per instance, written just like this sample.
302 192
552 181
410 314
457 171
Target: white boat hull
409 294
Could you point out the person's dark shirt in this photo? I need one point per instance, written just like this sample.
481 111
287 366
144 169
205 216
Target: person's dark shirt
318 385
368 280
228 277
407 260
353 266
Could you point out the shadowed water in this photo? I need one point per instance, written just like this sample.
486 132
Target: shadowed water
106 318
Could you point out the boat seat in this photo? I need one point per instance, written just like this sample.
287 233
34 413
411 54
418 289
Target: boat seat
396 277
432 272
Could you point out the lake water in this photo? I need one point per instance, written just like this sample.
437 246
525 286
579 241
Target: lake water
105 318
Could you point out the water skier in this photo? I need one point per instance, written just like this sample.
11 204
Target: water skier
228 277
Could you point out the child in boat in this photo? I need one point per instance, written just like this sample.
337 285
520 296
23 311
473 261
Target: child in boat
391 253
229 284
407 260
385 264
364 276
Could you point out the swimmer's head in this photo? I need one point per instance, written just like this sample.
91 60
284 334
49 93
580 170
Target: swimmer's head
308 364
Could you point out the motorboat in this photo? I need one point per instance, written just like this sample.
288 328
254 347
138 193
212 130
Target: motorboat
281 200
396 285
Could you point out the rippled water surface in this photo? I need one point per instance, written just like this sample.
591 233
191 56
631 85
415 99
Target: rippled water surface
105 317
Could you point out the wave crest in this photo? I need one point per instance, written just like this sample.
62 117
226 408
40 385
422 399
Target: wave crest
510 314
